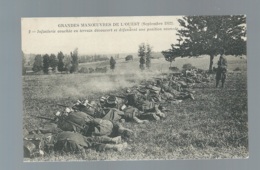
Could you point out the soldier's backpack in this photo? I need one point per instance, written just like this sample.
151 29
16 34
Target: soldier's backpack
75 121
86 109
112 114
37 144
131 99
146 106
71 142
130 112
99 127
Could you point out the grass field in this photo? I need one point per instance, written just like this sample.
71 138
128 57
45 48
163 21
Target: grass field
214 125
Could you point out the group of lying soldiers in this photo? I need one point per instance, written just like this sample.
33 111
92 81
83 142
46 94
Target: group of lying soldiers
97 124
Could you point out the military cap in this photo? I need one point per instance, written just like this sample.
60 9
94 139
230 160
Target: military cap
112 99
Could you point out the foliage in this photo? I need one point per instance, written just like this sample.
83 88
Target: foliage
37 65
211 35
60 61
187 66
141 54
169 56
148 56
175 69
141 50
144 52
129 57
53 62
46 64
237 69
83 70
74 61
92 58
67 64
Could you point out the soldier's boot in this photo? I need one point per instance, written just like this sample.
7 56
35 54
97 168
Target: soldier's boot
116 147
32 148
217 83
155 117
117 139
222 84
122 131
158 112
192 96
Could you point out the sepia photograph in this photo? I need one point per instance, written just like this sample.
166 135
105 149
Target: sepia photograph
134 88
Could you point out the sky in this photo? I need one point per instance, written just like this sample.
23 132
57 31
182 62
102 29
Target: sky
51 35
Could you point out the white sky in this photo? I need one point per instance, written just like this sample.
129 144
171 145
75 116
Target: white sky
96 42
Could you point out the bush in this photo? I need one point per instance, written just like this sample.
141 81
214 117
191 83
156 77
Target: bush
237 69
83 70
101 69
129 57
187 66
174 68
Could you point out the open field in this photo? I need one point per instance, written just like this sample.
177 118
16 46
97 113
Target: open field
214 125
160 65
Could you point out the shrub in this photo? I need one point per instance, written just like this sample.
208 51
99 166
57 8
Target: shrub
187 66
237 69
83 70
174 68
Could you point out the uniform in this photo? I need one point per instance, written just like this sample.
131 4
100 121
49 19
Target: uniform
221 71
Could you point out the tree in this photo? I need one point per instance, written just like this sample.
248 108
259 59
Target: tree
67 63
46 63
74 61
144 52
173 53
141 54
53 62
23 64
211 35
37 65
148 56
60 61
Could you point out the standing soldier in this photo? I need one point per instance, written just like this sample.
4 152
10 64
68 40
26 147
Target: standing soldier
221 70
112 63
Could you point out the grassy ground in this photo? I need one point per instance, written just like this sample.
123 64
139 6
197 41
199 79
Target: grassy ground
214 125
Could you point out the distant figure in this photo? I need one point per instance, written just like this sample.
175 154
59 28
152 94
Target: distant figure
112 63
221 70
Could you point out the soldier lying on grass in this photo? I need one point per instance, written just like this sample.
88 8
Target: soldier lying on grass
108 111
87 125
76 130
38 144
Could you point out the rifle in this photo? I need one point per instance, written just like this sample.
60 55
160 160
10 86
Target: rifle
167 110
85 127
62 105
74 105
43 117
90 105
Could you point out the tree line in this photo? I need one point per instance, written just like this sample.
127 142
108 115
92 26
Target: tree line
60 62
